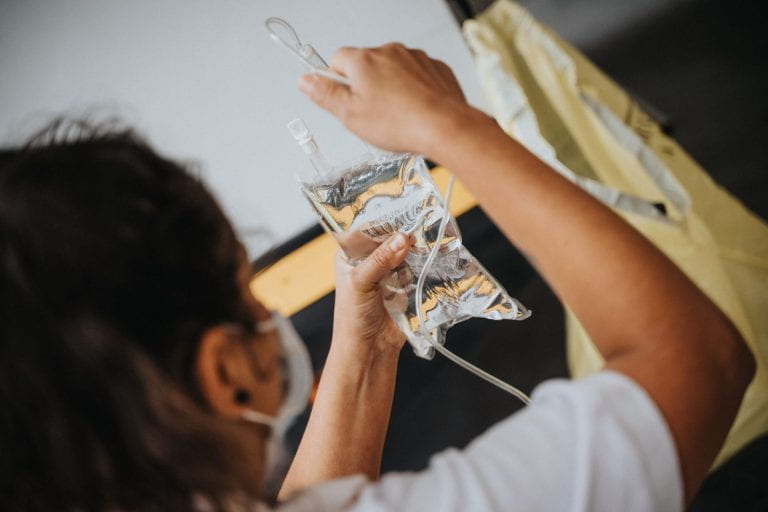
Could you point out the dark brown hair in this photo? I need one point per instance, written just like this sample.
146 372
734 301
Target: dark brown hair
113 261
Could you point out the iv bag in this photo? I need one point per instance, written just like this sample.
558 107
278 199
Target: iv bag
366 202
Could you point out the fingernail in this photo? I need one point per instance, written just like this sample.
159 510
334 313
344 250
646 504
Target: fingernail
307 83
398 242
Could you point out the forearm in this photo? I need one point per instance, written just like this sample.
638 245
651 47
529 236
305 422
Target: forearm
346 430
597 264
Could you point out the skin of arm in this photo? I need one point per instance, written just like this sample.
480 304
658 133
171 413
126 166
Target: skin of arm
648 320
346 429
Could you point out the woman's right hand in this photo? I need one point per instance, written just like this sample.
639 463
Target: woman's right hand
397 100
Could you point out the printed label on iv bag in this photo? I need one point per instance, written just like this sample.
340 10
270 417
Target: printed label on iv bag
364 204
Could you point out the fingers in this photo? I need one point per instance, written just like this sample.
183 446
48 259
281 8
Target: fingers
423 60
389 88
325 93
447 74
343 58
381 262
438 70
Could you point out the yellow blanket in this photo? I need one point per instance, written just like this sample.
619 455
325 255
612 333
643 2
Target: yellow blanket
550 97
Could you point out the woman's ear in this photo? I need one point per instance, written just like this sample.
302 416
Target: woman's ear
222 370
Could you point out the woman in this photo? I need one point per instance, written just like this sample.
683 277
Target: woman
133 355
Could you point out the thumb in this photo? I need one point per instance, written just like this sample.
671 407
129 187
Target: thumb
381 262
325 93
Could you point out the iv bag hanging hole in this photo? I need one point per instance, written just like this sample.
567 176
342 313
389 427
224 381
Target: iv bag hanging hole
281 32
290 40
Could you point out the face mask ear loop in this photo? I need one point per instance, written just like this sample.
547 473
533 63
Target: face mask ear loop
255 416
298 372
304 52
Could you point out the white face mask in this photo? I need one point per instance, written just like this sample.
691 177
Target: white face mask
299 377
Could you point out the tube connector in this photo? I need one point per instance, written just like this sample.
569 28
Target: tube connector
306 141
301 134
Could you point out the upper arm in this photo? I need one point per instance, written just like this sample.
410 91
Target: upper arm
697 384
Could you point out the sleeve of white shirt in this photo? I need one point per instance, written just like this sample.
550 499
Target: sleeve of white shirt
594 444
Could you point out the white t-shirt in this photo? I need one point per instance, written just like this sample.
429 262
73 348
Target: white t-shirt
594 444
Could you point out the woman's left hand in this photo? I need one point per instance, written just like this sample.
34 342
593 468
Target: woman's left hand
346 429
361 323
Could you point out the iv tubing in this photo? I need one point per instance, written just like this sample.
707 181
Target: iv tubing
420 300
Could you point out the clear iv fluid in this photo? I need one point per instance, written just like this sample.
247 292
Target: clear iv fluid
364 204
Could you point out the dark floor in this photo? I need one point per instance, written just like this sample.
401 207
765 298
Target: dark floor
701 63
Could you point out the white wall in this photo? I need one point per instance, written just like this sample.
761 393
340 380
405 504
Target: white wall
203 81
